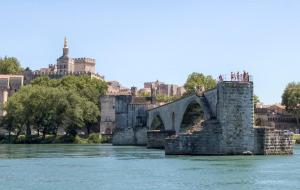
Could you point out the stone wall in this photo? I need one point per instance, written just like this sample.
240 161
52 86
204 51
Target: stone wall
130 121
204 142
230 133
156 138
211 97
235 114
121 110
130 136
123 136
107 123
269 141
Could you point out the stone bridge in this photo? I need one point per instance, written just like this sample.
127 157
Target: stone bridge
222 116
218 122
170 117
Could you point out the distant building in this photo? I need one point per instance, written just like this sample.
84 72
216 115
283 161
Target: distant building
9 84
144 91
115 88
162 88
275 116
65 65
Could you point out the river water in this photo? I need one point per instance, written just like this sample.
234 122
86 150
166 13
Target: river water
90 167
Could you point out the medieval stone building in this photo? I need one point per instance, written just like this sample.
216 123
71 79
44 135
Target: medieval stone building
164 89
66 65
124 117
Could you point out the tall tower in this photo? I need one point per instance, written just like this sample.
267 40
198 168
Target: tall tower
65 64
65 49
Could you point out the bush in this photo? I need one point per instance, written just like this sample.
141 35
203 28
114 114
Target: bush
65 139
106 139
296 138
94 138
79 140
21 139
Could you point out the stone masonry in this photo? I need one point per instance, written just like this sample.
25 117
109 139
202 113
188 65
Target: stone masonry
125 117
228 126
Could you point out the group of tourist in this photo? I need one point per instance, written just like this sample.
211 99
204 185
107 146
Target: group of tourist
238 76
244 77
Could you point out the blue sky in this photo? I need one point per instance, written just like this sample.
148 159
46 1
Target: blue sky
135 41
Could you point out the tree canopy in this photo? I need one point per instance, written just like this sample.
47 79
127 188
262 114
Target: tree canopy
87 87
165 99
10 65
195 80
291 99
44 106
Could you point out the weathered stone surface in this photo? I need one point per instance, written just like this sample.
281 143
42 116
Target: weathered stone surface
124 136
130 136
172 113
269 141
211 97
156 138
204 142
235 114
140 136
230 129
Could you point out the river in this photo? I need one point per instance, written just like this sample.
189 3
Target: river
104 167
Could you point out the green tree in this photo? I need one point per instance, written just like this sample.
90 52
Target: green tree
91 114
87 87
144 94
291 99
165 99
46 109
198 79
13 120
255 100
46 105
10 65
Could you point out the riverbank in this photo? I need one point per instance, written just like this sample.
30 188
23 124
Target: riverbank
93 138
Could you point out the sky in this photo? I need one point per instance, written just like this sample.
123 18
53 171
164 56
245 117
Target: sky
136 41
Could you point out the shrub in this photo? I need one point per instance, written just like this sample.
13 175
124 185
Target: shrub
79 140
94 138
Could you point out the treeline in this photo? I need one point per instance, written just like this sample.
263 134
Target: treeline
10 65
48 105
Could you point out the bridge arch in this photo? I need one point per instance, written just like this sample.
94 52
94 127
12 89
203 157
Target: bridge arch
173 114
192 114
157 123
